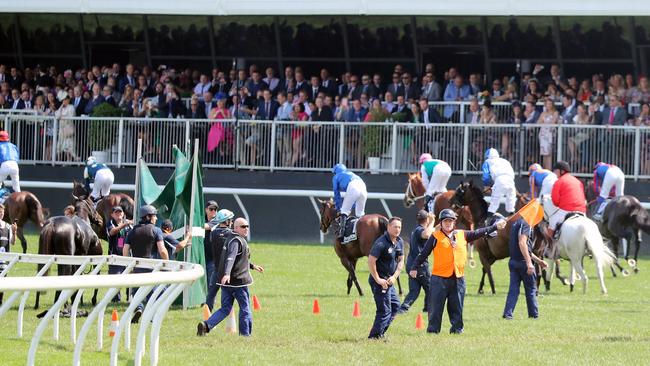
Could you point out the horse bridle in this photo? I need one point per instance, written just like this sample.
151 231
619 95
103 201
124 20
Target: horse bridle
410 196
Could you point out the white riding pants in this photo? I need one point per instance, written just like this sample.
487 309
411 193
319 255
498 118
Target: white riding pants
356 195
10 169
103 181
504 186
439 179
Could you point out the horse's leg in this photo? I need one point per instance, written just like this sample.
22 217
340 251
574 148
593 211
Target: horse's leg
38 299
480 286
349 282
21 237
548 273
558 274
599 273
399 286
353 266
491 279
572 277
583 276
637 241
94 299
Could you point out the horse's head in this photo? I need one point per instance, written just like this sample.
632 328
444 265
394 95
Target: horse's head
78 189
84 208
458 199
414 189
549 207
327 214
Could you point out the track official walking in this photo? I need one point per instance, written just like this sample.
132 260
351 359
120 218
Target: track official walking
447 284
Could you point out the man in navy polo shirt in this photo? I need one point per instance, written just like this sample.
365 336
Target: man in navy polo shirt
522 269
385 262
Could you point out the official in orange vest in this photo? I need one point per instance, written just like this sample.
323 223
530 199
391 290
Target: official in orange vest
447 283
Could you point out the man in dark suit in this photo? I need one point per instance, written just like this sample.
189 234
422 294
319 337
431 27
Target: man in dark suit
401 107
327 84
314 88
614 114
355 90
195 111
94 101
108 95
376 90
128 79
207 104
396 88
171 106
15 80
78 101
287 79
428 115
320 144
267 108
301 83
411 91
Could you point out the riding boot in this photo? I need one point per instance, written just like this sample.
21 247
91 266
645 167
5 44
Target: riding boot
342 221
598 216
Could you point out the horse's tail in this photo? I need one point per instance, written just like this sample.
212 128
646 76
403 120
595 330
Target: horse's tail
35 209
601 253
127 205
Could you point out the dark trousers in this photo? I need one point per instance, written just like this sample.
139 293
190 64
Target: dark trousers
116 270
387 305
228 297
517 276
213 289
135 289
452 291
415 285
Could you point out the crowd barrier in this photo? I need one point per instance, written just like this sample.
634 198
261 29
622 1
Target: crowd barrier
378 147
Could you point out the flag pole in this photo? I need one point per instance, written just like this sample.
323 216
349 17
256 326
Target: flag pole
137 181
188 253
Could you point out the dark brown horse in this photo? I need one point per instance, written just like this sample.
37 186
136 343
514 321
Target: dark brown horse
63 235
106 204
414 196
490 249
22 207
369 228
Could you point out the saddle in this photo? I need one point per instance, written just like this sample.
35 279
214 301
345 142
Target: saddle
568 216
350 231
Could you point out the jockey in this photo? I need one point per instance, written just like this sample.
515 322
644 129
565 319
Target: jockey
9 161
355 194
568 195
101 175
607 178
498 173
435 175
541 181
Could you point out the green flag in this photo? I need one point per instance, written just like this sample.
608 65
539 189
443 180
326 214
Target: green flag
148 190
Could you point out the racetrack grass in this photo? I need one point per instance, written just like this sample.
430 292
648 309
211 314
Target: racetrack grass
573 328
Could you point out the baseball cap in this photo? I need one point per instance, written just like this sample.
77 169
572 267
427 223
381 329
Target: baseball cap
211 204
421 215
117 208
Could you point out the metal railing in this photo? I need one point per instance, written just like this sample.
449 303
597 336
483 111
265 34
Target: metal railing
383 147
166 281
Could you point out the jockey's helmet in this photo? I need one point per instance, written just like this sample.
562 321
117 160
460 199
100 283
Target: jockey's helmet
491 153
425 157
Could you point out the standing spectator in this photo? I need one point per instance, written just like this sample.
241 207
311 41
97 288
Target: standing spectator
288 78
203 85
641 93
522 269
475 87
344 87
510 93
376 89
235 278
419 237
301 83
144 87
255 83
140 243
534 89
569 111
388 102
396 88
95 100
128 79
430 89
320 152
283 129
402 108
268 108
456 91
271 80
447 282
211 208
66 143
195 112
15 80
575 141
474 113
584 93
117 228
298 131
549 117
39 105
531 113
328 86
354 91
487 114
614 114
127 98
385 263
411 92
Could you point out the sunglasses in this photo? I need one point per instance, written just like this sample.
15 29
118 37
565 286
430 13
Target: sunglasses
212 209
243 226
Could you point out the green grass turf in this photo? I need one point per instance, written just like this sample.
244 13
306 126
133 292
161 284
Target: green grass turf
573 328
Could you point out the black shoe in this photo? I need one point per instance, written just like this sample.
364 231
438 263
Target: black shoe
136 316
201 329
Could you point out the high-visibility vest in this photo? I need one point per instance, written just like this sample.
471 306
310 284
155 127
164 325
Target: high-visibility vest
446 259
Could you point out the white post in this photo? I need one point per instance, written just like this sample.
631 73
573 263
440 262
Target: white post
560 142
394 151
55 139
273 134
188 253
137 180
637 153
120 142
465 148
341 143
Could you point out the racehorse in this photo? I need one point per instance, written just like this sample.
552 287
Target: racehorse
21 207
369 228
105 205
63 235
577 235
490 249
415 193
623 218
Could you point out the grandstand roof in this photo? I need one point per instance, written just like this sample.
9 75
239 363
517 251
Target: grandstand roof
335 7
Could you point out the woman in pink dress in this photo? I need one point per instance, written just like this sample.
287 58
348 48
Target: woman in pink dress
297 115
220 134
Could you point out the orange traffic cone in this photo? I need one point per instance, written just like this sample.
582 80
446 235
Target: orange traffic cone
356 312
231 324
316 308
206 312
419 322
256 303
114 324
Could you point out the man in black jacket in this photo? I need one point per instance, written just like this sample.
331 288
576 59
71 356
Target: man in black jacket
233 271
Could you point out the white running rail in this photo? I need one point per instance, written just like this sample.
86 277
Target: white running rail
167 280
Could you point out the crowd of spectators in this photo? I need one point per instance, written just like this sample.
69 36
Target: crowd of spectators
543 96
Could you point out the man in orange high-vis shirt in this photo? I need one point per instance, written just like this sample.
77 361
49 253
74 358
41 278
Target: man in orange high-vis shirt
447 283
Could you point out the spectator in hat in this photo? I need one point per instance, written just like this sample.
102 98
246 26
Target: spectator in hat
211 209
172 245
117 228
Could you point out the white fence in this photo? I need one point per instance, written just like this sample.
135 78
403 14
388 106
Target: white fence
165 283
384 147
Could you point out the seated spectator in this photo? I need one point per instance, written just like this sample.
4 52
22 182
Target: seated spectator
127 97
641 93
584 93
509 95
534 89
474 113
552 93
376 113
357 113
487 113
203 85
427 114
271 80
389 102
497 89
411 92
614 114
531 113
401 111
342 110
